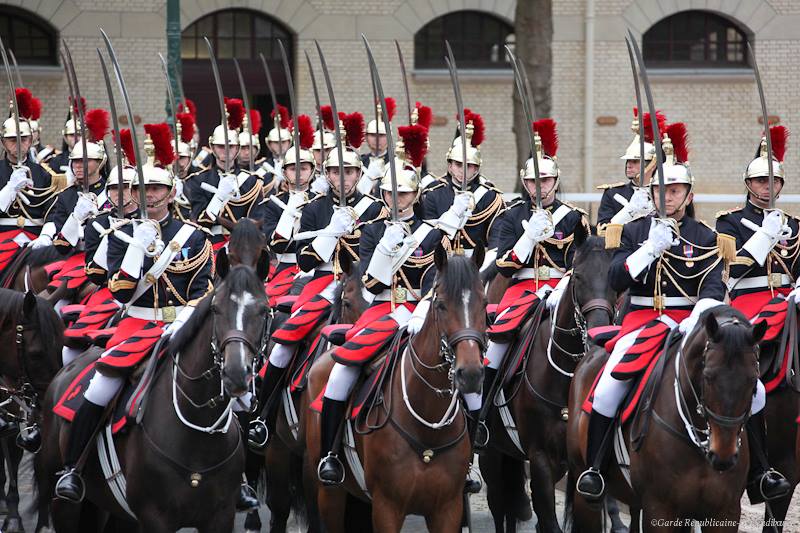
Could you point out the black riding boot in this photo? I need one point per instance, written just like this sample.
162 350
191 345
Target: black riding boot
591 484
261 427
763 483
70 485
330 470
473 484
481 432
247 499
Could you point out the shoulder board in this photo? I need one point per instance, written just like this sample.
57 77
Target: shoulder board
727 212
202 169
704 223
434 186
487 182
612 185
575 208
515 202
197 226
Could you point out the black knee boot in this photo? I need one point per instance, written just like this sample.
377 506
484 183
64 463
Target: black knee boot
763 483
481 432
88 416
473 484
261 427
591 484
330 470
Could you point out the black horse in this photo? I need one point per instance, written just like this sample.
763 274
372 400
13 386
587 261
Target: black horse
183 461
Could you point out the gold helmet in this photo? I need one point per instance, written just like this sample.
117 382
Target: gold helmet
412 145
218 137
546 141
128 176
10 128
279 135
281 119
93 151
378 126
159 149
632 152
759 166
184 150
676 157
475 136
350 159
254 128
305 157
328 141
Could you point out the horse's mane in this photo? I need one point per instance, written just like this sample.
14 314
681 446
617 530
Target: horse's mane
336 306
461 273
51 326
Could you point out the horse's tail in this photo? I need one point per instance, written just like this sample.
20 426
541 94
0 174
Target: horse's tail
569 502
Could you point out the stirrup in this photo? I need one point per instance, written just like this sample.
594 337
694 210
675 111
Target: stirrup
481 435
335 458
589 495
255 424
473 483
766 475
79 481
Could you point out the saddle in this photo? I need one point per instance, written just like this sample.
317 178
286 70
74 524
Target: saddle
780 361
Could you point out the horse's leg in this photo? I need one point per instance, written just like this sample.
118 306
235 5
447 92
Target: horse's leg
612 506
543 491
636 514
13 522
781 437
491 464
221 521
66 516
446 519
387 517
332 504
277 459
3 466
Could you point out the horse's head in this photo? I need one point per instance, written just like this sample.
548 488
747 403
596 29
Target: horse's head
247 246
458 311
722 360
592 296
350 302
239 309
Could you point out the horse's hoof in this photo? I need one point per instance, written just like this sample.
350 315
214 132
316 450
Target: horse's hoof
252 522
13 525
3 507
522 509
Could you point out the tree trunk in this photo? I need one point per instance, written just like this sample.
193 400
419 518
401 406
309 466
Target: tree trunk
533 31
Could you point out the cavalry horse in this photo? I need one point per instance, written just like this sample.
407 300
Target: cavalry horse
684 442
416 458
35 331
184 458
537 394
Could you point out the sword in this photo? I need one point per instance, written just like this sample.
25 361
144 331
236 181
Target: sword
320 125
243 90
13 99
405 78
221 97
176 165
523 96
376 78
76 95
451 66
767 135
295 120
639 111
129 111
662 208
337 129
117 140
16 68
275 122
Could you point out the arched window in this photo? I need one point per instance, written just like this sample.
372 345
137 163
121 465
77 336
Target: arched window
32 40
477 39
239 33
695 39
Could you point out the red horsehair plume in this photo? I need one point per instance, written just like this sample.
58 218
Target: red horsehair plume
235 108
647 126
680 141
390 107
415 141
74 109
354 126
187 126
285 117
97 121
779 135
126 140
192 108
424 115
24 102
255 121
306 132
478 129
36 109
548 133
162 142
327 117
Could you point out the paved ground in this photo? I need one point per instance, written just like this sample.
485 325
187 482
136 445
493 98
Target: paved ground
482 522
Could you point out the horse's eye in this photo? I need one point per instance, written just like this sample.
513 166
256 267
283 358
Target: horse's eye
440 306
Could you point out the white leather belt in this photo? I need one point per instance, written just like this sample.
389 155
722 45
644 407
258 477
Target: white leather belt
759 282
543 273
324 267
286 258
164 314
668 301
21 222
217 229
402 295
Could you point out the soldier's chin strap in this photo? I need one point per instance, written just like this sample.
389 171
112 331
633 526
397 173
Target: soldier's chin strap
764 199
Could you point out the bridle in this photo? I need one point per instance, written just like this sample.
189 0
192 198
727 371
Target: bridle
581 329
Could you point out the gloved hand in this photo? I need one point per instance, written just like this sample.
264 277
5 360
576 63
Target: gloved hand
365 184
463 203
320 185
19 179
228 188
375 169
456 217
178 188
179 321
638 206
659 239
42 241
343 221
392 237
85 207
688 324
290 217
145 236
540 226
417 319
775 227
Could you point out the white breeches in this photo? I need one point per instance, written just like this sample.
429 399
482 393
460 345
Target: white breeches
341 381
759 398
69 354
102 389
281 355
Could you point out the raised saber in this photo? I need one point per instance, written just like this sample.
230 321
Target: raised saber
117 140
77 95
129 111
662 208
376 78
765 118
523 96
320 123
16 68
337 129
221 98
405 78
639 111
275 122
243 90
176 166
451 66
523 75
13 99
295 120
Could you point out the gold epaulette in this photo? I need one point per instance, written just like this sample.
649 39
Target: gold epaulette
194 174
59 181
727 212
434 186
612 185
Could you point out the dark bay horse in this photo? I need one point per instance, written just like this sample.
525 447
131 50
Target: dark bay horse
679 470
33 334
422 406
538 398
183 461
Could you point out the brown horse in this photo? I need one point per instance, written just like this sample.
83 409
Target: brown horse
538 397
183 461
415 461
687 462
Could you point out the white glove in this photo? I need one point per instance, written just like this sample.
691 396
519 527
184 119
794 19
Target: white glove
178 188
773 229
456 217
179 321
537 229
417 319
320 185
19 179
638 206
42 241
145 241
342 223
386 258
687 324
228 189
365 185
71 179
375 169
392 237
145 236
289 221
85 207
659 239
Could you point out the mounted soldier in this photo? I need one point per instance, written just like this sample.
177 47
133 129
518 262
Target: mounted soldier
70 133
767 242
377 156
185 127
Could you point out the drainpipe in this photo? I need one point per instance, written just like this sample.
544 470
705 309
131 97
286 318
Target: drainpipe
588 105
174 49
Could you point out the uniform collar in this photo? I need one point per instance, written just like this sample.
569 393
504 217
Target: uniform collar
164 222
350 200
750 207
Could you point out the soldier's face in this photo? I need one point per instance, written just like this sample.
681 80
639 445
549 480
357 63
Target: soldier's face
320 155
70 140
405 201
10 145
377 143
632 170
456 170
351 176
306 171
548 189
676 198
127 200
184 163
759 190
223 156
94 169
158 198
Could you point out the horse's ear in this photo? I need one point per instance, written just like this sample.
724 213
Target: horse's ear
581 234
759 330
262 267
346 262
440 258
223 264
479 254
257 222
712 326
29 304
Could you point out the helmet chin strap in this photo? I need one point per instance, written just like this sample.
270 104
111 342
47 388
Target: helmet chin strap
756 195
